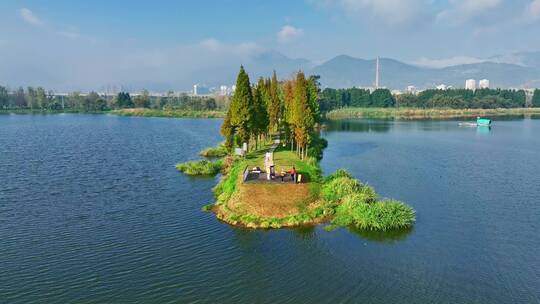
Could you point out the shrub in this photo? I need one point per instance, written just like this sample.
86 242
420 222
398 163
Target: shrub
365 194
218 151
227 186
340 187
338 173
382 215
316 147
201 167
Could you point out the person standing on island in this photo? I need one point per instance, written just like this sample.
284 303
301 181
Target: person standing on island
293 174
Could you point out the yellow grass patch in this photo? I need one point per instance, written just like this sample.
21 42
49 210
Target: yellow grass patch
270 200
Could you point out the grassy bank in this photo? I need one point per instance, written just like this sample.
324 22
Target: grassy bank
142 112
338 199
200 167
417 113
217 151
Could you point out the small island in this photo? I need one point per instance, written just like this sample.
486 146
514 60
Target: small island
270 165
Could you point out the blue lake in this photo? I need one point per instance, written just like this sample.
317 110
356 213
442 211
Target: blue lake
92 210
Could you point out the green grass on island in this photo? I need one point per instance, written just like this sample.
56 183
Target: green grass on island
429 113
337 199
200 167
218 151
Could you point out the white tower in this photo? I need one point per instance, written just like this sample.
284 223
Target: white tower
470 84
377 73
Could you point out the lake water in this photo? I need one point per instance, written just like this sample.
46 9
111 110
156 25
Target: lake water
93 211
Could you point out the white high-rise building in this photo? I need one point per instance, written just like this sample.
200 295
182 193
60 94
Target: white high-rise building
442 87
470 84
483 84
223 90
411 89
200 89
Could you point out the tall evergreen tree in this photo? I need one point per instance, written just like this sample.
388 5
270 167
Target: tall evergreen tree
259 118
313 97
302 116
241 107
274 103
227 130
287 110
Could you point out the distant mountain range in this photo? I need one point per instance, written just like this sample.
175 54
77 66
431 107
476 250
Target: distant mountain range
515 70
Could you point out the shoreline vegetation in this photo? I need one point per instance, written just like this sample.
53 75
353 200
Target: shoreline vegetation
281 119
418 113
172 113
404 113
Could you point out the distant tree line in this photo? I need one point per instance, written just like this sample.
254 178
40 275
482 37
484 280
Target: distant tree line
536 98
432 98
355 97
38 99
462 98
290 106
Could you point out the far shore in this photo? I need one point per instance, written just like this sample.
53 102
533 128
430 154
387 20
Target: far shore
338 114
418 113
138 112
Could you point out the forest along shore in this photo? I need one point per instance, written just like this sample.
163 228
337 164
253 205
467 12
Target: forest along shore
289 111
418 113
342 113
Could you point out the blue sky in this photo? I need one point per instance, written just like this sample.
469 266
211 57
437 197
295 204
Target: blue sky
87 44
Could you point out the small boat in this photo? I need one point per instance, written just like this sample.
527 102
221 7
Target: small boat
483 122
480 122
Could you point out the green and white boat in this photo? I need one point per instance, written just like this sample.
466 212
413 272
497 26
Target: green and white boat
483 122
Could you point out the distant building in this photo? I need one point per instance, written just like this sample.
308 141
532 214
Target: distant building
411 89
443 87
483 84
470 84
200 90
223 90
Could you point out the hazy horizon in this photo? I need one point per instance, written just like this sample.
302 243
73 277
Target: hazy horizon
68 45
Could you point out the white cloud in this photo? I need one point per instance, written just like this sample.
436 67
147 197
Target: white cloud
532 11
391 12
446 62
70 32
29 17
289 33
460 11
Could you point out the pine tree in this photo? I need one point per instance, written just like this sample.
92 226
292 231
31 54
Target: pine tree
287 110
313 97
274 103
241 107
259 122
302 116
227 130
